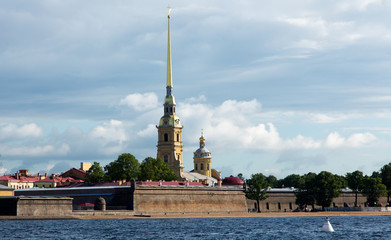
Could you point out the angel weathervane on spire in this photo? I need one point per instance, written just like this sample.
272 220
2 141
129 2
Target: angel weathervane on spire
169 10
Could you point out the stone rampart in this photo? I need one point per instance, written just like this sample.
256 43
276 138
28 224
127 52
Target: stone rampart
167 200
36 206
284 201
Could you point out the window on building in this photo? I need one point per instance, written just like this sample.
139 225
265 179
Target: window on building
170 109
279 206
207 166
196 166
202 166
290 206
267 206
177 137
165 158
166 137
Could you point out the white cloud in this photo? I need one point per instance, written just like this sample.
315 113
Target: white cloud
236 125
147 132
35 151
334 140
12 131
140 102
110 136
359 5
378 99
3 170
198 99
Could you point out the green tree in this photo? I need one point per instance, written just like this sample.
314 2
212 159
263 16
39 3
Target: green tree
327 187
126 167
240 176
342 180
355 182
385 174
305 194
272 181
293 180
256 188
373 188
95 173
155 170
376 174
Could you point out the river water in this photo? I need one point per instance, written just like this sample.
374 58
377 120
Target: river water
364 227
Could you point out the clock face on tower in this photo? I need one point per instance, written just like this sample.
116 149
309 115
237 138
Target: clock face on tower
177 122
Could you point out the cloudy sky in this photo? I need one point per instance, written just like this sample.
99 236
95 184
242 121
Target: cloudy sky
279 87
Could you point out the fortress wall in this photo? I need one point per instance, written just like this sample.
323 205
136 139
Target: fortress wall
165 200
35 206
285 201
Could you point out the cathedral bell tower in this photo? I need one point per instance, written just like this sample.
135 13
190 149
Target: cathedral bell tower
169 147
203 159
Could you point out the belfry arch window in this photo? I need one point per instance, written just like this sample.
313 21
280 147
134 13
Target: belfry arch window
177 137
165 158
196 166
202 166
166 137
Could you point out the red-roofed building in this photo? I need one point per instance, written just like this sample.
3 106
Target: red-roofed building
20 180
75 173
54 181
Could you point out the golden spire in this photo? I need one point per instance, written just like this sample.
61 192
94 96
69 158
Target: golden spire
169 69
202 139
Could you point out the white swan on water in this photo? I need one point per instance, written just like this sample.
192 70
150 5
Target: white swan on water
327 226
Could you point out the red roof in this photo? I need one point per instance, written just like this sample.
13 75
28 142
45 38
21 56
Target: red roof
21 178
87 204
232 181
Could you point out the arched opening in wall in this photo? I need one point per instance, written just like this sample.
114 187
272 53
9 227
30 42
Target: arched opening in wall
267 206
165 158
290 206
170 109
207 166
177 137
195 168
166 109
279 206
166 137
202 166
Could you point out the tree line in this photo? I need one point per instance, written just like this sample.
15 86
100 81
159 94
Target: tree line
322 188
128 168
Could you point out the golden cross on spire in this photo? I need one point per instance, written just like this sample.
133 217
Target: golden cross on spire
169 10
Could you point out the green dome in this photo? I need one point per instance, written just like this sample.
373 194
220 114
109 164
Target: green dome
169 100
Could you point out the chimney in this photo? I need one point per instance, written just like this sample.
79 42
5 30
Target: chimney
85 166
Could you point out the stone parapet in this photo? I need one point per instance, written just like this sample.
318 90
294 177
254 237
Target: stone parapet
169 200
